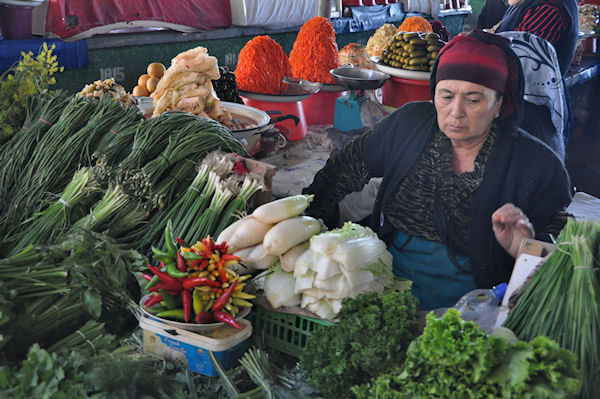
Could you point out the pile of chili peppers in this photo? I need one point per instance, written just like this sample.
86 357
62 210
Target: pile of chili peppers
195 284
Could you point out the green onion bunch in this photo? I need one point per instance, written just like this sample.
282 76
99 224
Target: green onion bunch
17 152
45 226
562 300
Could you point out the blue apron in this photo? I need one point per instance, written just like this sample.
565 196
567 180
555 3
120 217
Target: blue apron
436 281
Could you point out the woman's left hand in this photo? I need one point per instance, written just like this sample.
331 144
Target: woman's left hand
511 226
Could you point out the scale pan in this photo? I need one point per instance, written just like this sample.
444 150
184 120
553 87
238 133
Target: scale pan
359 78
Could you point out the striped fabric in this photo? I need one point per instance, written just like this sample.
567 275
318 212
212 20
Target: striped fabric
411 206
546 20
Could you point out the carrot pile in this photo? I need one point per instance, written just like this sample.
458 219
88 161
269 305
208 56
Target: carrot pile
261 66
315 51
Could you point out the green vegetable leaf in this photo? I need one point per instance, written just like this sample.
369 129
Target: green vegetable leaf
92 302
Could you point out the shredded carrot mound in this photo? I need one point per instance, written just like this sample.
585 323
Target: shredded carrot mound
380 39
261 66
315 51
415 24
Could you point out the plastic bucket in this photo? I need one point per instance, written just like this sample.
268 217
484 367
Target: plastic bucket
399 91
286 127
320 107
15 21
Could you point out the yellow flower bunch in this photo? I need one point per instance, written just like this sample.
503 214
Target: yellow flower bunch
32 75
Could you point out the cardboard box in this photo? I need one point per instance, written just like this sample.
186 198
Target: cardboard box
191 349
532 254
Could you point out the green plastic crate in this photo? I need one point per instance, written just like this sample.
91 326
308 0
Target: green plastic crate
285 332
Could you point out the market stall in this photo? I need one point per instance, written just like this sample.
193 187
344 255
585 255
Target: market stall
145 252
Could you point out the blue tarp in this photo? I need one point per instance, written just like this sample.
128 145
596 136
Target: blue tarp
71 55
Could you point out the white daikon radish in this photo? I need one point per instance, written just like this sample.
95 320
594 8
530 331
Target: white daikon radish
288 259
243 253
281 209
358 253
289 233
258 259
249 232
326 268
279 290
336 305
315 293
227 233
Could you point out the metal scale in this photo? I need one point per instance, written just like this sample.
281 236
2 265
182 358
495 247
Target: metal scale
354 110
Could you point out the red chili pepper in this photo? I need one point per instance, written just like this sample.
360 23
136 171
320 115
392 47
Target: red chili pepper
166 286
181 241
204 264
209 246
222 247
155 299
166 277
222 301
186 299
226 318
195 263
222 275
204 317
192 282
181 266
146 277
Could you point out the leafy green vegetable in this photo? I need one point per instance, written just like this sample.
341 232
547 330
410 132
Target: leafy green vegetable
82 374
456 359
371 338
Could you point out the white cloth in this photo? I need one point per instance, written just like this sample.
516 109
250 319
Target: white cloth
543 80
272 14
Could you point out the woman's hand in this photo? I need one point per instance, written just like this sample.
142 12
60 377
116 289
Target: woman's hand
511 226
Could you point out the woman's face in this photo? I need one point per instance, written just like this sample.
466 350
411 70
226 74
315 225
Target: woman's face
465 110
514 2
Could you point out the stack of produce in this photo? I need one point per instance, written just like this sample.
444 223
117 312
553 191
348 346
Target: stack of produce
356 55
562 300
138 168
413 51
147 82
215 199
269 232
187 86
195 283
315 51
370 338
456 359
108 86
64 310
341 263
380 39
415 24
262 64
589 17
29 77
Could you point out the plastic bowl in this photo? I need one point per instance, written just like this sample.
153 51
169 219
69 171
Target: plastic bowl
202 328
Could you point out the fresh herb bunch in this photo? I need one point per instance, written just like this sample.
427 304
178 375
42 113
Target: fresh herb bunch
456 359
119 373
31 75
371 338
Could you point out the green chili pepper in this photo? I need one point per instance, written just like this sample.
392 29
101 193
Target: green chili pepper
156 309
171 248
155 280
174 272
168 299
197 302
162 256
176 314
191 256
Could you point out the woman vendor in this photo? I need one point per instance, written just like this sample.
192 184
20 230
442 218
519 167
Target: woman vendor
462 185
